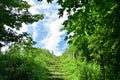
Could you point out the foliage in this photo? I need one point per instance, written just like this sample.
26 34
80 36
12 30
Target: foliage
22 64
13 13
49 1
79 69
95 25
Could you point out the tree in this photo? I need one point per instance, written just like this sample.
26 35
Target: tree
96 29
12 14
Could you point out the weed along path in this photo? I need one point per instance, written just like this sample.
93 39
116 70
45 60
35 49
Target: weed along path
55 69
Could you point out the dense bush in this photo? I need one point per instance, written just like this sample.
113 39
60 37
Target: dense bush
79 68
20 64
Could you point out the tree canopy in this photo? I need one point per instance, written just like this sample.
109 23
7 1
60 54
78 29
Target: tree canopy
12 14
96 32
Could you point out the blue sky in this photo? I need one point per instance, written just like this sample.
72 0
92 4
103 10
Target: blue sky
46 32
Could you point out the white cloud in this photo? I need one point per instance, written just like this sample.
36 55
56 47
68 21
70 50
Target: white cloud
51 22
24 28
5 48
37 7
35 34
51 42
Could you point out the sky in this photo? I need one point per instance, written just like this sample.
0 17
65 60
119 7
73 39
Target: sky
47 32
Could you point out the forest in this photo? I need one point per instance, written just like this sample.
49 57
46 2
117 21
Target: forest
93 37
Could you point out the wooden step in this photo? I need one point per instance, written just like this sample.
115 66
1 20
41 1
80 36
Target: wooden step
56 77
55 70
56 73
